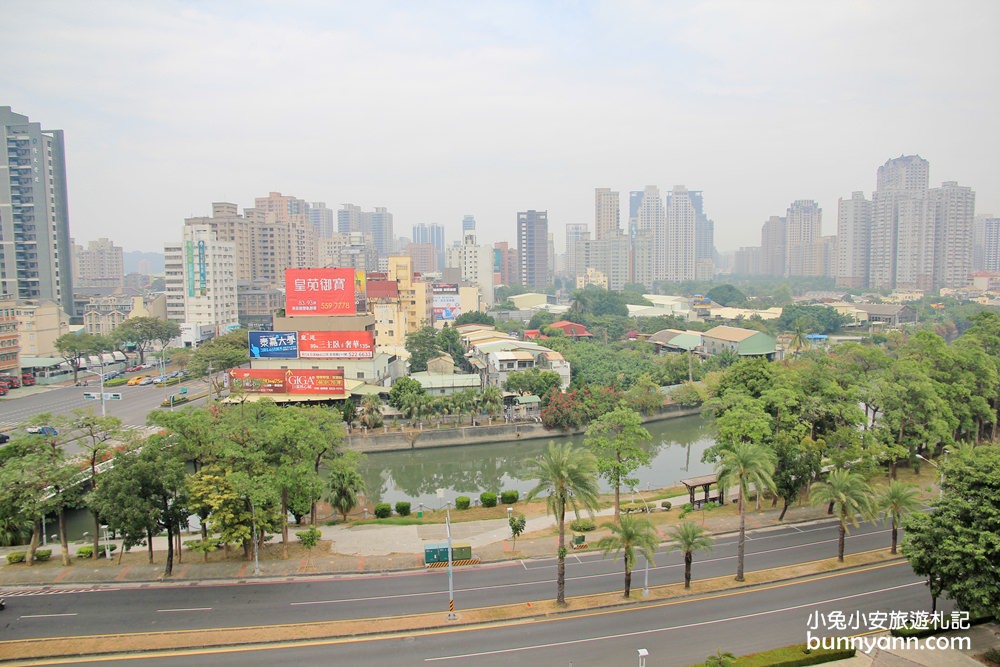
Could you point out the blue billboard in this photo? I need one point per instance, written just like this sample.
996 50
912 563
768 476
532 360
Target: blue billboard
274 344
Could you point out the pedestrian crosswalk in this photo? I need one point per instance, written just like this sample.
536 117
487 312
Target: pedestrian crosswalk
50 591
6 425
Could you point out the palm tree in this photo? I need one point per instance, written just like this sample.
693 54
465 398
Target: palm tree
744 465
569 477
344 485
688 537
720 659
626 536
371 411
491 400
799 339
896 500
850 495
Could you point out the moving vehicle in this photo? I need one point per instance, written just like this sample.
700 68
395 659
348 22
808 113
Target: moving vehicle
146 379
42 430
136 380
4 438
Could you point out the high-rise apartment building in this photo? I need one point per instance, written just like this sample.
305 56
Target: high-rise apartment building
773 237
803 228
100 265
34 214
607 213
350 218
608 256
382 235
533 248
681 224
505 264
954 209
854 224
898 180
575 232
424 257
990 247
704 236
322 219
209 279
475 265
434 235
468 224
651 228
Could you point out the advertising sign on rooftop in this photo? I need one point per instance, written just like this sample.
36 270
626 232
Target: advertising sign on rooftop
320 292
336 344
446 302
287 381
273 344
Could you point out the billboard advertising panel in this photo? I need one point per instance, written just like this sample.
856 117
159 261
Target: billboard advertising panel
273 344
336 344
360 292
287 381
320 292
446 302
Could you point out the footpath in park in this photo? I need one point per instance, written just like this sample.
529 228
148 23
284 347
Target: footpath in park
371 548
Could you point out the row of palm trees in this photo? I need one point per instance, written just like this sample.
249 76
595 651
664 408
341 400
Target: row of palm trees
568 478
418 406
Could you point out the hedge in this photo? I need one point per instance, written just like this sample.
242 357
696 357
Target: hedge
462 502
16 557
383 511
510 497
582 525
488 499
403 508
19 556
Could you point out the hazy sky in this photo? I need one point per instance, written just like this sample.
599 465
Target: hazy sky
438 109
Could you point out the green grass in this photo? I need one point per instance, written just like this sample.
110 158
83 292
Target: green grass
789 656
392 521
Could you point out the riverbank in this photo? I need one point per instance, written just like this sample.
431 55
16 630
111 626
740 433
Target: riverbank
389 440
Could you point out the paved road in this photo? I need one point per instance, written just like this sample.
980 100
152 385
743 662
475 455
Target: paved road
675 633
60 612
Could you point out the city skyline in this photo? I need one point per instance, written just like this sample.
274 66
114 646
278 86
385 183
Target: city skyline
439 110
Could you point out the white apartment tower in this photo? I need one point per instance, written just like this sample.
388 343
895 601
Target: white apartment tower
650 262
101 264
803 228
209 279
854 223
954 209
900 179
607 213
681 222
475 264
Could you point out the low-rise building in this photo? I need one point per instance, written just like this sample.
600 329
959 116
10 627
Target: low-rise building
744 342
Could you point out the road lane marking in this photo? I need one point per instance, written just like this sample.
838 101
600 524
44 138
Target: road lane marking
46 615
167 611
639 633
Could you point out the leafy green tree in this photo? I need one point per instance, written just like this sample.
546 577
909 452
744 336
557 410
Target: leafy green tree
614 439
371 411
629 535
142 332
896 500
422 346
344 483
491 400
517 525
218 355
957 544
743 465
850 494
450 343
401 387
688 537
726 295
145 490
475 317
568 477
533 381
95 435
309 539
76 347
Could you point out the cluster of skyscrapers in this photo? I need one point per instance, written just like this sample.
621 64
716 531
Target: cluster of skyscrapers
906 236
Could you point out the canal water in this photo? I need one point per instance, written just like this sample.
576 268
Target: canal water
468 470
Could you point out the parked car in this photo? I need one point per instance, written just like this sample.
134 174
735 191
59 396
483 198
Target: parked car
4 438
132 369
42 430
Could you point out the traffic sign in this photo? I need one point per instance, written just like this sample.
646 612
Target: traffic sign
112 397
92 395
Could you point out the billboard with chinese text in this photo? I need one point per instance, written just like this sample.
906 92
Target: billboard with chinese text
287 381
446 302
336 344
273 344
320 292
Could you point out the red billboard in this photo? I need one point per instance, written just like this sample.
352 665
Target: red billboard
319 292
287 381
336 344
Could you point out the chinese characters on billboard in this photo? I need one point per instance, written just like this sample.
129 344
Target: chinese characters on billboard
320 292
273 344
287 381
336 344
446 302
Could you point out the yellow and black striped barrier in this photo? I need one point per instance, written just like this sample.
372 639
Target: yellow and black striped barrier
466 561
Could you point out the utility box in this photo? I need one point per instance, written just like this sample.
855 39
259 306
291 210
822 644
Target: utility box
438 553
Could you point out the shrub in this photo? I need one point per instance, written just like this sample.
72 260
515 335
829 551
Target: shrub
462 502
488 499
117 382
15 557
403 508
666 505
85 552
43 554
383 510
510 497
582 525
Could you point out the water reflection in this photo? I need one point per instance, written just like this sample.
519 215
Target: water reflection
415 475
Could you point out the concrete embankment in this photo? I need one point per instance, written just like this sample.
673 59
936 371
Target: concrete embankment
393 439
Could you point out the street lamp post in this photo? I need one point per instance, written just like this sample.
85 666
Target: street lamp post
938 468
645 584
451 582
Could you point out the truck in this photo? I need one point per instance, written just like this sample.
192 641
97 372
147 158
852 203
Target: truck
13 382
27 379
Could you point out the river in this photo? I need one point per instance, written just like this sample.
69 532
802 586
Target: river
468 470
